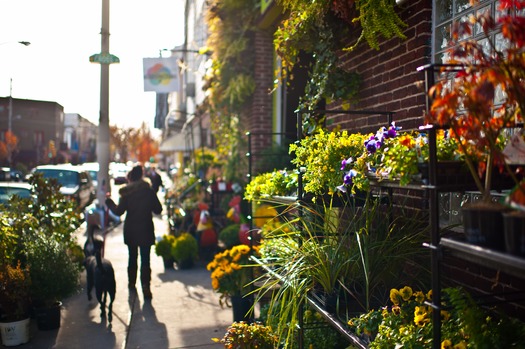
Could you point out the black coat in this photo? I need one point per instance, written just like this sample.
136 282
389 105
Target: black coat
139 202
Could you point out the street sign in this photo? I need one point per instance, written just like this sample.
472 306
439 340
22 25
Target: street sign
104 58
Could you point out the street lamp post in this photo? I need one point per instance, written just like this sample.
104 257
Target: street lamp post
10 111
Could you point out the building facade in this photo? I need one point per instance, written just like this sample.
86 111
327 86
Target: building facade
45 133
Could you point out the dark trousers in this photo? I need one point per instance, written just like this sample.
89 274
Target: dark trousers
145 270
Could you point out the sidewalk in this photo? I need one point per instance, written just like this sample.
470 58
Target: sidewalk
184 311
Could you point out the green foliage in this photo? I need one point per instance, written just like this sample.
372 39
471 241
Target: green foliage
206 158
39 232
54 275
378 18
229 81
276 183
230 235
407 323
164 245
321 155
327 81
318 333
242 335
342 252
15 283
184 248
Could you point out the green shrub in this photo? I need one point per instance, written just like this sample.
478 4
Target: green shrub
185 248
230 235
163 247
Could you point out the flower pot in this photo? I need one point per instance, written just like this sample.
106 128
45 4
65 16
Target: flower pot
168 263
185 264
15 333
514 228
241 306
483 223
48 317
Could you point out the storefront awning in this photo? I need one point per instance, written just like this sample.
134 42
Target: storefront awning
176 142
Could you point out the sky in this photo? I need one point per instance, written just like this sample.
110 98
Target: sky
65 33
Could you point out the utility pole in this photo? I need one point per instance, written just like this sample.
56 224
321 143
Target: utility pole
104 58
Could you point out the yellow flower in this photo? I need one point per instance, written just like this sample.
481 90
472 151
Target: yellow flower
446 344
419 296
445 315
461 345
406 293
420 311
395 297
396 310
421 320
429 295
407 141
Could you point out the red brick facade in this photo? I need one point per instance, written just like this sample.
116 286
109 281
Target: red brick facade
390 79
260 120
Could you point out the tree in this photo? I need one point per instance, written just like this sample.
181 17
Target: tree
8 146
131 144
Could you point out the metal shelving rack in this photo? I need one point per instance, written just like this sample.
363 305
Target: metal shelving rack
442 245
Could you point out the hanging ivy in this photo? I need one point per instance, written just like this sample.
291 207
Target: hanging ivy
318 28
229 81
327 80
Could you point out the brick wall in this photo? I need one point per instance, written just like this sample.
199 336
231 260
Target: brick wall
260 118
392 83
390 79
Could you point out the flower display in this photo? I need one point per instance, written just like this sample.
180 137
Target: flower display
407 323
317 155
245 335
481 89
391 154
276 183
231 271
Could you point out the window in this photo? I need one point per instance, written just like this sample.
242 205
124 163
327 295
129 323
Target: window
446 12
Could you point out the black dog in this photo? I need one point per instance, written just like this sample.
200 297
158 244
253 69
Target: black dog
100 273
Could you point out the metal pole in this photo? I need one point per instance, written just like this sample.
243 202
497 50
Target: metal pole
9 121
103 126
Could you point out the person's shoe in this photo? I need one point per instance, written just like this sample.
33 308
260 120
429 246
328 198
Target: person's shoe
147 293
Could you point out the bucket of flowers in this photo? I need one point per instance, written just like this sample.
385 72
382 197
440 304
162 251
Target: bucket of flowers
232 272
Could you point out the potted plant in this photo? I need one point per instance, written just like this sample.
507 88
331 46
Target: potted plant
54 277
163 249
275 183
407 323
320 155
245 335
478 98
14 304
185 250
231 274
229 235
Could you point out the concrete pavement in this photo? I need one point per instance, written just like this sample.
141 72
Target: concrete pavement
184 311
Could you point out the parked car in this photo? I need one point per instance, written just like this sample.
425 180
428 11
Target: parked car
8 189
10 175
119 172
92 168
75 182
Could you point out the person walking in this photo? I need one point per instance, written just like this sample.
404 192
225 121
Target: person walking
156 180
139 202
